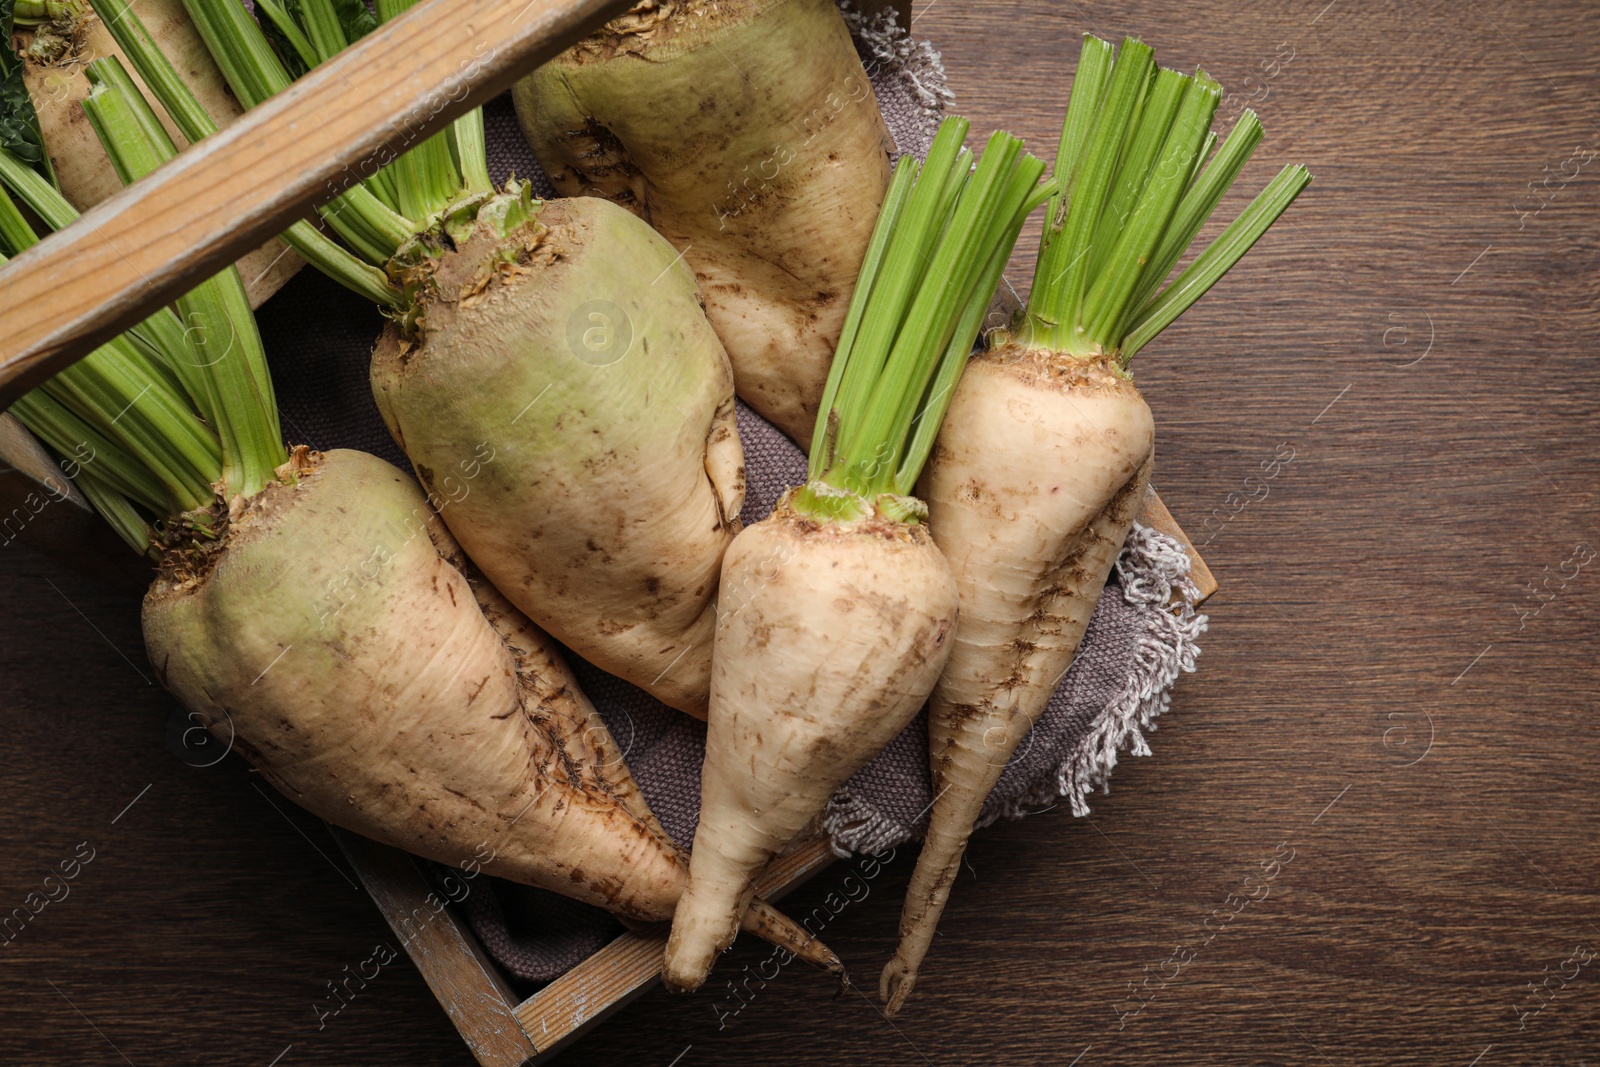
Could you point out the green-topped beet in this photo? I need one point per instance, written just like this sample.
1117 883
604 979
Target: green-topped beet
311 610
1044 458
567 341
836 612
559 352
747 133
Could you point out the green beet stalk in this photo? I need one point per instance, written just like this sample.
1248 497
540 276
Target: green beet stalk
15 233
930 416
1062 276
1136 192
1161 108
1205 191
234 387
148 442
426 178
1130 245
195 124
935 256
255 73
159 421
68 435
891 292
825 442
1094 72
981 221
377 215
117 510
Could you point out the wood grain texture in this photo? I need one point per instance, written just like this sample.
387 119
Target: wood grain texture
1157 517
1369 695
469 986
624 970
156 239
84 172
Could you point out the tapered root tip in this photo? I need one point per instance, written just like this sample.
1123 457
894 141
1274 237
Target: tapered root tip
844 984
716 902
770 924
686 973
831 964
673 986
692 950
835 966
895 985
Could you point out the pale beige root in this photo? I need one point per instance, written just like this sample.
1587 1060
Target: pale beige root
591 754
571 411
549 691
772 926
1039 471
829 650
351 665
747 133
332 639
54 58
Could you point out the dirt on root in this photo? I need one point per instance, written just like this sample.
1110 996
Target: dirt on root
453 274
652 23
194 544
55 44
1100 373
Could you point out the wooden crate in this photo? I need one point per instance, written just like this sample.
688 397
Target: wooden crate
501 1030
40 508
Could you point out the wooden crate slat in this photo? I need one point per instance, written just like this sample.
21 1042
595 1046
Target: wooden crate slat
1156 515
461 975
148 244
629 966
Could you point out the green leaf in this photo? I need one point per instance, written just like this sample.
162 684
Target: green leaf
284 46
355 18
19 123
228 376
240 48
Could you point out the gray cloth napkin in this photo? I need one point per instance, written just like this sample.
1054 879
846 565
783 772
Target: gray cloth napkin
1143 633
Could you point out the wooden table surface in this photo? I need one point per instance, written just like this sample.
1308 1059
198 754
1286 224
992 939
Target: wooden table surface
1388 755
